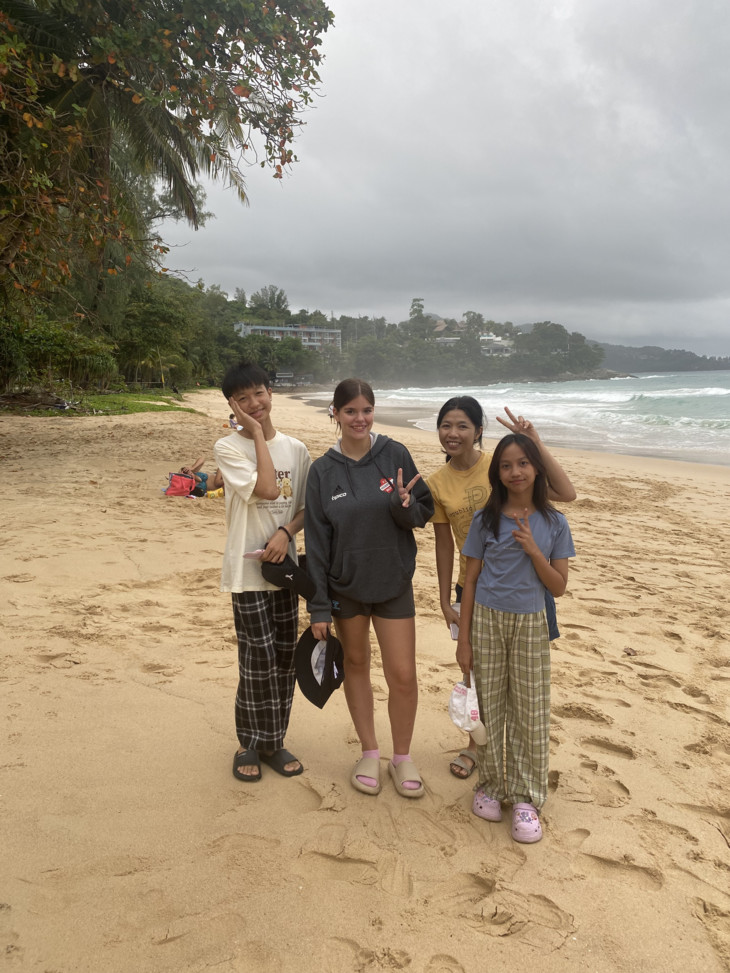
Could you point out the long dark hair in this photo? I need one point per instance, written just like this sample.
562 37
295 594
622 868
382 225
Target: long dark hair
471 408
498 497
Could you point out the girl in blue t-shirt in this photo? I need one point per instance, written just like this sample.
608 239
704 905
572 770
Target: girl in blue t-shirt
517 546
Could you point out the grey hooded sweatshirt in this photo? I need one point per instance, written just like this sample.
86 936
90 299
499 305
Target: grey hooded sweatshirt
359 539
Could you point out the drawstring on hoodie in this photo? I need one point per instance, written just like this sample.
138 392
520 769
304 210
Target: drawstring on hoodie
347 474
371 458
385 476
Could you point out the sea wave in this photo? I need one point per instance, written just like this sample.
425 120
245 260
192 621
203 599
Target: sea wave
685 415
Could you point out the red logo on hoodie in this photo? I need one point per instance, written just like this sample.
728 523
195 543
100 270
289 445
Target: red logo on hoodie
386 485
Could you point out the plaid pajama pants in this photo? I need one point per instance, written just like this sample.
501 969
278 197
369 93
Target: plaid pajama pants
266 627
512 672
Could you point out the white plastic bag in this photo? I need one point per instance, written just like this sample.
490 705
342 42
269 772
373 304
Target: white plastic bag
464 710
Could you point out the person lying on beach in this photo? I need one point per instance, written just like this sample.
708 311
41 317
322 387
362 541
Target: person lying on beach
459 488
516 547
204 482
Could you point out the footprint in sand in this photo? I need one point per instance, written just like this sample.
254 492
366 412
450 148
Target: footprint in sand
709 744
716 922
394 876
160 627
654 829
161 668
334 856
696 711
59 660
574 839
611 700
659 679
347 954
643 877
424 828
579 711
320 794
487 907
599 786
443 963
608 746
696 693
239 849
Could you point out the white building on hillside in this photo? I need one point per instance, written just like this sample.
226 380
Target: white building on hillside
315 338
492 344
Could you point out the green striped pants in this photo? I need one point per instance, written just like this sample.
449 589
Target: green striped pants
512 671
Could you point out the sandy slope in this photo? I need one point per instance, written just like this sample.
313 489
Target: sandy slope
128 845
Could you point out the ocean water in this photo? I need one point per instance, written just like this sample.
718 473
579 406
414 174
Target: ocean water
676 415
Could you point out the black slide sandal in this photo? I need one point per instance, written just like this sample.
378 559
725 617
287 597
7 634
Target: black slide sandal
278 761
247 758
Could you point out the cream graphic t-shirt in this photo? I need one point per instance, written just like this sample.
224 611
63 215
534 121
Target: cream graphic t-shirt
250 520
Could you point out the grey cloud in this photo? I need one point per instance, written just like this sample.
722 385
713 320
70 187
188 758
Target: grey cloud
527 159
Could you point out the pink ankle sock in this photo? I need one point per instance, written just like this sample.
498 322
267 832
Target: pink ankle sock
399 758
369 781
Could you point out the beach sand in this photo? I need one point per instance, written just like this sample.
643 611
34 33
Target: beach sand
129 846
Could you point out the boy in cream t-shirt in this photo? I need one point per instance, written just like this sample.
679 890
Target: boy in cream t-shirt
265 474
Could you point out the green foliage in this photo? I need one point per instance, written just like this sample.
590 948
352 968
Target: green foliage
474 323
45 352
416 311
547 350
269 305
270 297
409 354
96 95
124 403
650 358
99 100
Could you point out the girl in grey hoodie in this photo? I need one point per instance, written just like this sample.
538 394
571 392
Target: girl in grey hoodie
364 497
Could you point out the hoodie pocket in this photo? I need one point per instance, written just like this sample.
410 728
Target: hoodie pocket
372 575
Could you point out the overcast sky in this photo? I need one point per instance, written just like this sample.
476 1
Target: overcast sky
528 159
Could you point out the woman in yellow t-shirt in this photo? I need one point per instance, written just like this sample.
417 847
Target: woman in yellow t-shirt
460 487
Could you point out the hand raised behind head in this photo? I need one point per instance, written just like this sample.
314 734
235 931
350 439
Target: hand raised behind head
518 425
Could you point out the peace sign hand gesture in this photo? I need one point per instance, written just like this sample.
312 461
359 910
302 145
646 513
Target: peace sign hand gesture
523 534
519 425
404 492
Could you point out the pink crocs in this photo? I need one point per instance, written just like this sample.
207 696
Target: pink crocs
526 827
486 807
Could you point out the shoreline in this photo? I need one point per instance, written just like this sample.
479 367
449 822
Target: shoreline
409 417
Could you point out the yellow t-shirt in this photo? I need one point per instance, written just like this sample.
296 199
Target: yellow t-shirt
457 495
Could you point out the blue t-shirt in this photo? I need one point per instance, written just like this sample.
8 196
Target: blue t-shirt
508 581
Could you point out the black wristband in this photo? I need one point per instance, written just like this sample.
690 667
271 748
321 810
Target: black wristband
286 532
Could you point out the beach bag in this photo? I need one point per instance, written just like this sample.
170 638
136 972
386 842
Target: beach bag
464 709
180 485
